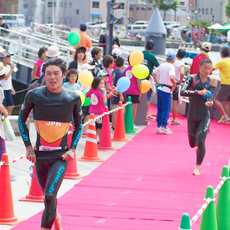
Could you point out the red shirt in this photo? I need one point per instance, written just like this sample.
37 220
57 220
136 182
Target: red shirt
195 67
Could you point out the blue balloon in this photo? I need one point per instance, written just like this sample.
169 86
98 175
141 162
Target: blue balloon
123 84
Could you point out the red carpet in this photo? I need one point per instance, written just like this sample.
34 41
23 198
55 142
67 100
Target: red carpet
148 184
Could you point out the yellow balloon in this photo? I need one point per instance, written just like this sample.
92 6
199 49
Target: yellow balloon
140 71
82 96
145 86
85 77
136 58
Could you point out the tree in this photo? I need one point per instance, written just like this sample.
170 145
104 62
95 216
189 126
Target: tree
227 11
166 5
11 6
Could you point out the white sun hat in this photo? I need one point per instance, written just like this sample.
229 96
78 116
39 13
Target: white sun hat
87 66
53 51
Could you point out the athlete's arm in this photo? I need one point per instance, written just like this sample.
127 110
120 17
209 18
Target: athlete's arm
185 88
77 126
23 115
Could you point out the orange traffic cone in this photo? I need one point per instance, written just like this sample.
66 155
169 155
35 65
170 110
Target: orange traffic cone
105 139
119 131
6 211
90 152
35 193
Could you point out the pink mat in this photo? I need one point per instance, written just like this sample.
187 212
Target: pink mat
147 184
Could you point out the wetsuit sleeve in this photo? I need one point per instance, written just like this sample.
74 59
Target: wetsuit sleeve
212 89
27 106
77 125
185 88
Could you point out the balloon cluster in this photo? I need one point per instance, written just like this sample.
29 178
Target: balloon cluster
139 70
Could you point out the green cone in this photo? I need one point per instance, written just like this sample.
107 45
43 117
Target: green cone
185 222
223 203
208 221
129 118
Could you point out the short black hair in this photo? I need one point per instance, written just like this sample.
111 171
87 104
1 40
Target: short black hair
55 61
1 19
205 60
96 82
71 71
107 59
41 51
95 51
119 62
150 45
225 51
2 77
128 59
181 53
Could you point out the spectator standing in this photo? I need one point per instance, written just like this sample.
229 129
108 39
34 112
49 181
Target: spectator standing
223 94
150 61
96 55
117 74
37 65
165 86
7 81
98 100
205 49
72 79
79 58
116 52
179 75
3 25
85 41
134 91
3 71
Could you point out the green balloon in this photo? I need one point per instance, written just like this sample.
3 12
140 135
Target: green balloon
74 38
87 99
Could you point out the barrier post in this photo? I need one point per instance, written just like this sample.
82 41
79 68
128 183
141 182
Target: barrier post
223 203
185 222
129 118
208 221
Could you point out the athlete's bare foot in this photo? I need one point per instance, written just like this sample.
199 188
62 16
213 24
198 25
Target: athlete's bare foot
57 222
196 171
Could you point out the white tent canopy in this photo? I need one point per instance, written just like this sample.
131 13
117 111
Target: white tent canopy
217 26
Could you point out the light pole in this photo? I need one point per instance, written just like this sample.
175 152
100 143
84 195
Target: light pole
111 19
199 25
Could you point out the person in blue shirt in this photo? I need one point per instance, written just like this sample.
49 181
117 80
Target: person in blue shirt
72 77
117 74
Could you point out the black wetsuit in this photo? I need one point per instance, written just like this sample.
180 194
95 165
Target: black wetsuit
198 112
53 114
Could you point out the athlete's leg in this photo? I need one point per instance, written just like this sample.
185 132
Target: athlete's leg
175 109
220 107
55 176
192 131
202 131
227 110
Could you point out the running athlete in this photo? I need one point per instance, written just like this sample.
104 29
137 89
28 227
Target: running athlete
197 87
54 109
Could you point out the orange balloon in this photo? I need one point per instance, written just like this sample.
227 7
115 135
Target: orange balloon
145 86
136 58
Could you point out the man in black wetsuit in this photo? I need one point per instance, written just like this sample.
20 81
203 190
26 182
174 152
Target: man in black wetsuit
200 88
54 109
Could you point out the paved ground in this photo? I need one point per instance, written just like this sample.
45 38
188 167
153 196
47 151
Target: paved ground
20 188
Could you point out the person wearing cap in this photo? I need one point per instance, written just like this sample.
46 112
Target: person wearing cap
116 52
150 61
165 86
3 71
79 58
179 75
7 81
85 41
205 49
96 55
223 94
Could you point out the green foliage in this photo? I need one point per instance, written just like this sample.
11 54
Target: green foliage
165 7
202 23
227 11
